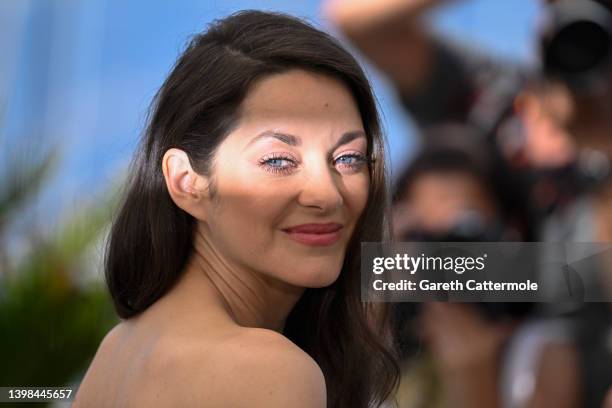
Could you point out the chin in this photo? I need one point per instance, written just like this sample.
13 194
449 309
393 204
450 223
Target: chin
319 277
308 271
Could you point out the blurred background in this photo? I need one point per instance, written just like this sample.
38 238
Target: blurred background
497 118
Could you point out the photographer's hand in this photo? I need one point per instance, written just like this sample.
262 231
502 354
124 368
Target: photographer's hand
354 15
389 34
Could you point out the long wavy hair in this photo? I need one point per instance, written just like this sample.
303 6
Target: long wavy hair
197 106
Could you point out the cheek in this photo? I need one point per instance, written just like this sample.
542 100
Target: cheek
356 194
246 211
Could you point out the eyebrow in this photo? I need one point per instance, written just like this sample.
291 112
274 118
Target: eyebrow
286 138
348 137
293 140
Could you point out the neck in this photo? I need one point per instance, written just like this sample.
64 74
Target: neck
248 297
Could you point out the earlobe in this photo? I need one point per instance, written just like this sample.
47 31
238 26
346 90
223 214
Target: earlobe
182 181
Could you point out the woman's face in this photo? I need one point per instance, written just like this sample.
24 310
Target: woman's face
291 180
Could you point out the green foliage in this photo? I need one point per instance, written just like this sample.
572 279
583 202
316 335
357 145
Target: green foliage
21 181
51 319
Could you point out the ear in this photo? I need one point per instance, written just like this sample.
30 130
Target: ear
188 189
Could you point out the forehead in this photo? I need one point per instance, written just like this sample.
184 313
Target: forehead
299 94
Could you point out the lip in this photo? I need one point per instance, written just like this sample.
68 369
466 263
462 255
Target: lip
315 234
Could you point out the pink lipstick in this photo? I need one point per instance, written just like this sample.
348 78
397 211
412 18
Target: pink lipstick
315 234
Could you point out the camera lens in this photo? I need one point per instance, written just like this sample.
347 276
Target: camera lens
577 48
577 43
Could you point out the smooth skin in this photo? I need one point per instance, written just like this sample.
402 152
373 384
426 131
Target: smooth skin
214 340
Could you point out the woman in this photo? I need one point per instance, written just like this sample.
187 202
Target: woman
234 260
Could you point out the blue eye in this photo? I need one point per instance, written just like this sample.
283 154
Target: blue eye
347 159
277 163
351 161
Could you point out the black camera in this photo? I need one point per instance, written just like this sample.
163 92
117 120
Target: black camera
576 44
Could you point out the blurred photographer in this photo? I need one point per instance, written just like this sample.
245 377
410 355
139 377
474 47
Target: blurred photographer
441 80
449 193
553 134
576 50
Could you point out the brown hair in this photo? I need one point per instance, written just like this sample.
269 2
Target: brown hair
197 106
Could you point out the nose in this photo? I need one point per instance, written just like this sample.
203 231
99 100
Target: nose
321 190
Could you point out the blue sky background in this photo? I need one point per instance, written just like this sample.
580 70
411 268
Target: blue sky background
81 73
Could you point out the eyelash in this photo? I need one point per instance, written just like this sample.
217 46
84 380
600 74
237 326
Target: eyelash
264 162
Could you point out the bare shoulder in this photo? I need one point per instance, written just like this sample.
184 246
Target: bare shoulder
254 368
274 371
112 337
96 376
